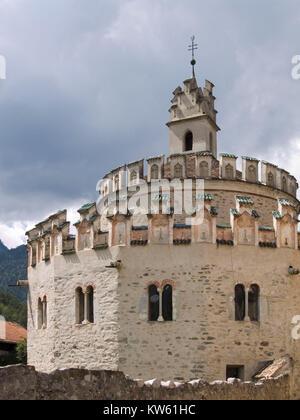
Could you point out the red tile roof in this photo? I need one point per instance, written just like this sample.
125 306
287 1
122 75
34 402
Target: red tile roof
11 333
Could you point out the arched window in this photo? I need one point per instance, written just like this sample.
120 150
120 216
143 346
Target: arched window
284 184
133 177
203 169
167 303
252 173
188 143
154 171
90 302
229 171
271 179
79 305
40 314
178 173
253 302
239 300
210 142
45 310
153 303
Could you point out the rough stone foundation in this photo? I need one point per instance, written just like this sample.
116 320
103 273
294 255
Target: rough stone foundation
25 383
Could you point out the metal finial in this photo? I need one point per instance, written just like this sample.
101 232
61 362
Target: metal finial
192 48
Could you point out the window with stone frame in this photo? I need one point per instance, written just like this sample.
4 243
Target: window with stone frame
210 142
84 305
235 371
45 311
90 303
153 304
240 302
79 305
42 313
188 142
253 302
167 303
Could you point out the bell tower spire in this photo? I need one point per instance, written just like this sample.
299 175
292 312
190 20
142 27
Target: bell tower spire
193 126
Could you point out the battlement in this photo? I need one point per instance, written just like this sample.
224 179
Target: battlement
201 165
101 231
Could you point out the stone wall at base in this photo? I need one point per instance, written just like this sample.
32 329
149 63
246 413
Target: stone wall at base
25 383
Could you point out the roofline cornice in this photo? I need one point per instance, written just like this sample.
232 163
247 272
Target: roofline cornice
194 117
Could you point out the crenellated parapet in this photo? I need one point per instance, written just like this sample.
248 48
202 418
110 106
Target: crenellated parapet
47 238
199 165
98 232
244 222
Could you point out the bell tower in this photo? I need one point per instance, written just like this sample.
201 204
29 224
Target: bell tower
192 124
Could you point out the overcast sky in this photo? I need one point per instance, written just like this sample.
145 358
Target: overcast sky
89 84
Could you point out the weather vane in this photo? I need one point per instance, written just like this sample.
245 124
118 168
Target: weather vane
192 48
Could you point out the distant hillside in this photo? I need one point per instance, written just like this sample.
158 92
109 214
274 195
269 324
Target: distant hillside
12 309
13 263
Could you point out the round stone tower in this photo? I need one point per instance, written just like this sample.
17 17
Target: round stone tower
185 270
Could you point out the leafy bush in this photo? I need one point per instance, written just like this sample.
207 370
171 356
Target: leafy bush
21 352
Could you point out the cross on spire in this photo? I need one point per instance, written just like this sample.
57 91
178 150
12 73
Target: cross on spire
192 48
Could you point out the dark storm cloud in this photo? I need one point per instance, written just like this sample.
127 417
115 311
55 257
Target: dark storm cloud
89 82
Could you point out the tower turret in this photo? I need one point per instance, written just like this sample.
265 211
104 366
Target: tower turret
192 122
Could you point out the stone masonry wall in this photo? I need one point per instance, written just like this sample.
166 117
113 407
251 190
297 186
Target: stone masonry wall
63 343
204 337
24 383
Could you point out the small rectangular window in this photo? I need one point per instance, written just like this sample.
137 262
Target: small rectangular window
237 371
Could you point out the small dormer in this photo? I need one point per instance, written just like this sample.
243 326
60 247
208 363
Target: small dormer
192 122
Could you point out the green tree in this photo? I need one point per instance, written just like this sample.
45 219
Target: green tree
12 309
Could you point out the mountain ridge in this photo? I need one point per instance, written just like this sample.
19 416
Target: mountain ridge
13 267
